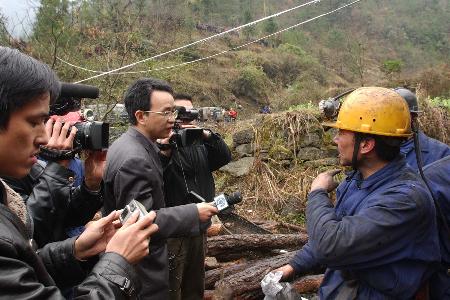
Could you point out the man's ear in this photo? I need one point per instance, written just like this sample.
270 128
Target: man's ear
140 117
367 145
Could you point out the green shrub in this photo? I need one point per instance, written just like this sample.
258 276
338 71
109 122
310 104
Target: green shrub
390 67
440 102
252 83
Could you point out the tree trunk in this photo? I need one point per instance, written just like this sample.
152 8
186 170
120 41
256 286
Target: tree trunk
212 276
304 285
224 245
214 229
249 279
307 284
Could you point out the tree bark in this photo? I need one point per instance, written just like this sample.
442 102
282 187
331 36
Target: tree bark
304 285
239 243
307 284
212 276
214 229
249 279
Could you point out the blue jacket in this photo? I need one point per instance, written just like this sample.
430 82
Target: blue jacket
381 234
431 149
438 176
76 165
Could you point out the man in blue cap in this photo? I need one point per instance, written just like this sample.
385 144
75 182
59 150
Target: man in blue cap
430 149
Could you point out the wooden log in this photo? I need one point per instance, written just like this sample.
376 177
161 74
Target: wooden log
249 279
208 295
307 284
214 229
304 285
275 227
212 276
293 227
238 243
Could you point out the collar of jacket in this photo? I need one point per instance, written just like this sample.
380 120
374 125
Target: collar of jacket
408 146
142 139
395 166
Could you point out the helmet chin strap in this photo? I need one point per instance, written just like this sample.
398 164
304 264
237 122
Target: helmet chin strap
358 139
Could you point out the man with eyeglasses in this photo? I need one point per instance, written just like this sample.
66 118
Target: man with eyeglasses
134 171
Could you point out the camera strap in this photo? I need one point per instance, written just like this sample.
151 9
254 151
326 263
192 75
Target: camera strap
57 155
182 169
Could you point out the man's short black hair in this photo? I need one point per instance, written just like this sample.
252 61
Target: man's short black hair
386 148
22 79
138 95
183 97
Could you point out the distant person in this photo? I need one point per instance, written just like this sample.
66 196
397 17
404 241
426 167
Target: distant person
265 109
232 114
430 149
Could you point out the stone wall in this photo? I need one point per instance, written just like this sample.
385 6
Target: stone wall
287 139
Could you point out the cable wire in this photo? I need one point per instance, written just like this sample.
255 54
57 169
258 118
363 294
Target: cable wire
241 46
219 53
201 41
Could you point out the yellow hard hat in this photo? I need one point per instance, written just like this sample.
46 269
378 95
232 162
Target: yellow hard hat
374 110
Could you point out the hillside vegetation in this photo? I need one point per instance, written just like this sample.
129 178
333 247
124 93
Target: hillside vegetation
374 42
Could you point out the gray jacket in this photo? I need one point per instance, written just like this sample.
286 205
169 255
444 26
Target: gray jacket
134 171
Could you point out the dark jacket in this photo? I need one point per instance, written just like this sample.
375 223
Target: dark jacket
197 162
381 234
27 274
53 202
431 150
438 176
134 171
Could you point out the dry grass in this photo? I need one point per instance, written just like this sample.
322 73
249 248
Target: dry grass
273 190
434 121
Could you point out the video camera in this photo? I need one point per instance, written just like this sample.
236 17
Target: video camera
222 201
330 107
186 136
90 135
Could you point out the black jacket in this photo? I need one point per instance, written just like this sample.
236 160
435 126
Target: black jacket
53 202
197 162
27 274
134 171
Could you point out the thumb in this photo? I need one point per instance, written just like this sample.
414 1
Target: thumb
147 220
131 220
334 172
108 219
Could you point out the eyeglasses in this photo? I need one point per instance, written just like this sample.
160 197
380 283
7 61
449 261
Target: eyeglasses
166 114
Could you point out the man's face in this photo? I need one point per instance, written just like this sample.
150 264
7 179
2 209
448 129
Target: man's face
345 141
20 141
157 125
186 104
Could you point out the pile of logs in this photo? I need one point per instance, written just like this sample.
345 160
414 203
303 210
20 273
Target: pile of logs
236 263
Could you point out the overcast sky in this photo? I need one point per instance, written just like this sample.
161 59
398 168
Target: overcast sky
20 15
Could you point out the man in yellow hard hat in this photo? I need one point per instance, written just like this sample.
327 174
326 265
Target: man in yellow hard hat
380 240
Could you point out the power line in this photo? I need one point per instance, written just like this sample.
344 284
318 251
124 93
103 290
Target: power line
225 51
241 46
201 41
